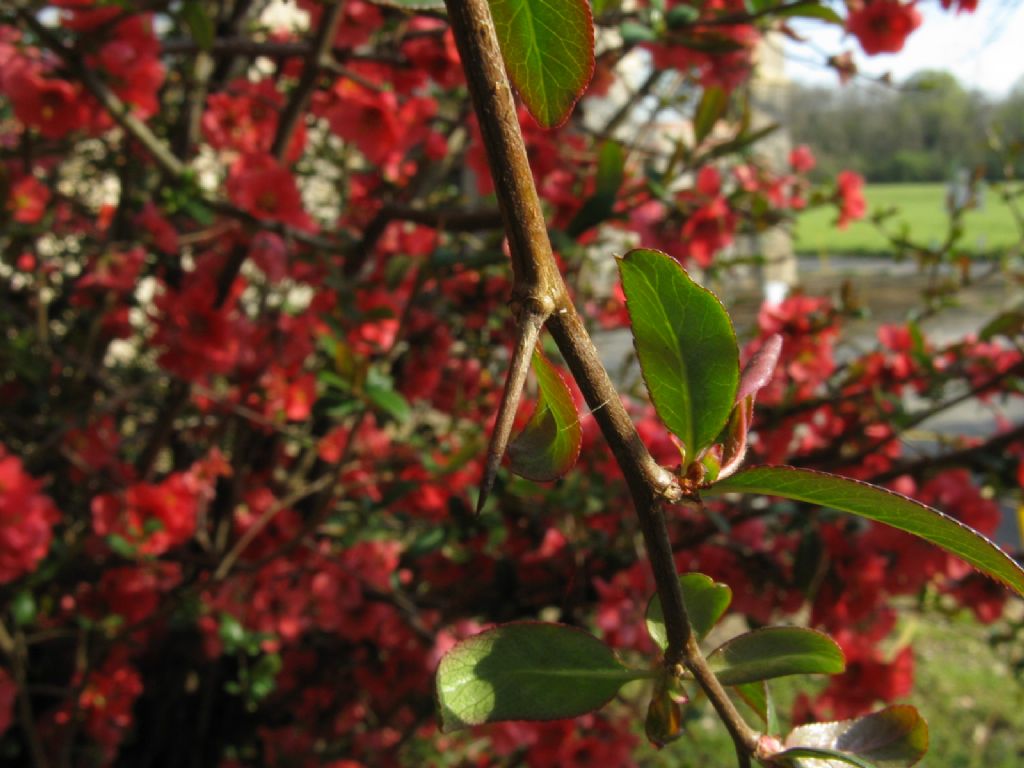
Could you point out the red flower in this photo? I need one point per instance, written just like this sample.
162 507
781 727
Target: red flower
134 592
962 6
259 185
245 118
54 107
163 235
801 159
850 194
710 227
882 26
107 701
130 62
26 520
364 117
28 200
153 518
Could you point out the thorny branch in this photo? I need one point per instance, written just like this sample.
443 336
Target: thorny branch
540 292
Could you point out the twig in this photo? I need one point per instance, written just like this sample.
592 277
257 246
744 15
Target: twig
14 647
539 287
319 56
254 530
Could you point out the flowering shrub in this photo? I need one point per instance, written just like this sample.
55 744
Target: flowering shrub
255 322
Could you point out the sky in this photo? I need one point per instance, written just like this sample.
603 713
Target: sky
984 50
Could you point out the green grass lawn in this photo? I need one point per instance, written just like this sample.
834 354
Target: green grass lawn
921 208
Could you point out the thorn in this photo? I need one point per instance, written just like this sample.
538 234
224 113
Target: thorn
529 332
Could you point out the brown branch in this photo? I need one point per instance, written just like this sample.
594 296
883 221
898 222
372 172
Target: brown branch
254 530
958 458
519 367
834 452
13 646
319 56
537 280
538 285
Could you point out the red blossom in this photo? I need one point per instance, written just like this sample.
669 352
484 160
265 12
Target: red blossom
27 518
134 593
151 518
106 701
28 200
882 26
801 159
850 195
52 106
366 117
259 185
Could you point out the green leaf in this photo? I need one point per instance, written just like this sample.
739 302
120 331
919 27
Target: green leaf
776 652
682 16
1008 324
686 345
882 506
894 737
388 400
199 23
550 443
810 11
712 106
705 602
527 671
23 608
819 758
758 697
600 206
548 48
600 7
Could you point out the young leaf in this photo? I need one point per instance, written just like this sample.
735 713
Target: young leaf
199 23
548 49
527 671
883 506
894 737
776 652
686 345
549 445
808 11
759 698
710 109
705 602
760 367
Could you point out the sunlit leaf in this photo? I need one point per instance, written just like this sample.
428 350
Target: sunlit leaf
882 506
548 446
705 601
527 671
895 737
686 345
776 652
548 48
